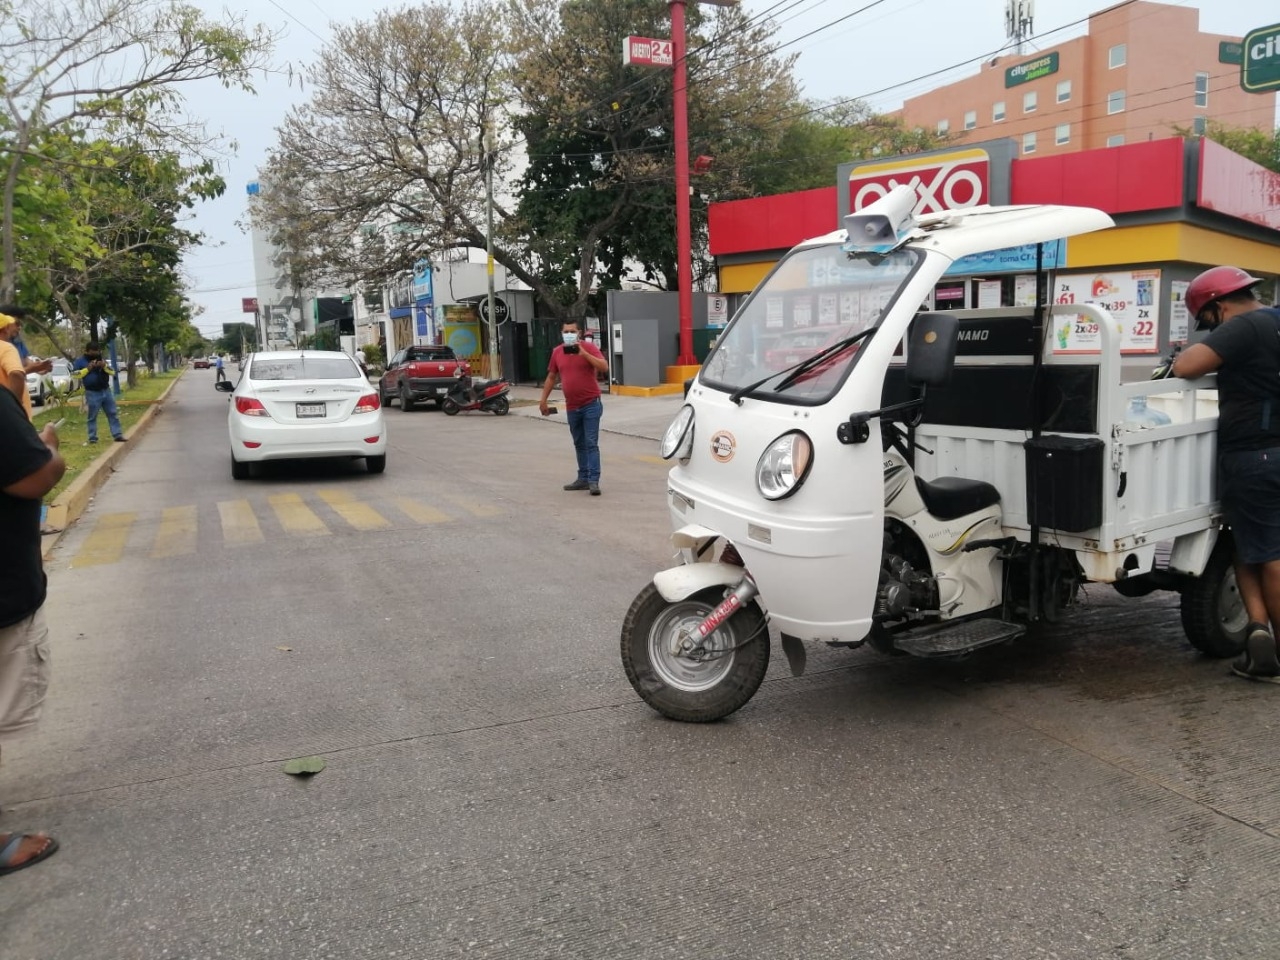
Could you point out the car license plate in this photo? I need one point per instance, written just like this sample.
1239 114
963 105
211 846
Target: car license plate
310 410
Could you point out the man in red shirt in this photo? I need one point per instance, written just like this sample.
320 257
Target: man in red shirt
576 362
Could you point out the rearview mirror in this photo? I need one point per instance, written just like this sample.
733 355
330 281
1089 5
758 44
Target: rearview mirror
226 386
931 348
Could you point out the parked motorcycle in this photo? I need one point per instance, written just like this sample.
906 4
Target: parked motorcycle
474 393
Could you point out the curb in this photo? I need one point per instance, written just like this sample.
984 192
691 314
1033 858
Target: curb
74 500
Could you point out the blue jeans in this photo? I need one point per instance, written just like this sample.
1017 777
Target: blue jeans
584 427
105 401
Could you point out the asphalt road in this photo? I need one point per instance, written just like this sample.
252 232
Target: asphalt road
445 636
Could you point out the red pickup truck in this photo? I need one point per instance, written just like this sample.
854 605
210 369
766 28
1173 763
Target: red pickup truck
420 373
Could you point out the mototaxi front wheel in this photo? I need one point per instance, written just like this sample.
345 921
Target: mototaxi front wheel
718 676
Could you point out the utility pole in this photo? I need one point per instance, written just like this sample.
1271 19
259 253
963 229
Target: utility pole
495 362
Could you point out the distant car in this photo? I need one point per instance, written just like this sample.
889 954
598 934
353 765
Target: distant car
200 363
295 405
420 373
61 379
802 342
39 387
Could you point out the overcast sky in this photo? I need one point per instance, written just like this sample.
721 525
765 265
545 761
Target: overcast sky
873 55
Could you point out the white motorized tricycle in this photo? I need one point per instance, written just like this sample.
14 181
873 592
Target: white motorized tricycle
930 483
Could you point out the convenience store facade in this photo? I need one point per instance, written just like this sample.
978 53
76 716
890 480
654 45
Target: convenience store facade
1180 206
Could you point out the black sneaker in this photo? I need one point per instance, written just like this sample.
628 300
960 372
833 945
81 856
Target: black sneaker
94 440
576 485
1259 660
594 488
119 439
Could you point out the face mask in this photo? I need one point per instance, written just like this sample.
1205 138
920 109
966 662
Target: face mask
569 339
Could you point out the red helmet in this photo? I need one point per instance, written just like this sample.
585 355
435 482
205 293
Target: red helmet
1214 284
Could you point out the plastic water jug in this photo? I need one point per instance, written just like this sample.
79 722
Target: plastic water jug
1140 416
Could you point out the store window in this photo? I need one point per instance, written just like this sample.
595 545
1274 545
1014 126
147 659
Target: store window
1115 102
970 119
997 111
1115 140
1029 102
1029 143
1062 135
944 126
950 295
1064 91
1198 126
1202 89
1118 56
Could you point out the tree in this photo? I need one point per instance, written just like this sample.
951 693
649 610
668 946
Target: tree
1260 146
108 69
384 162
820 137
239 341
131 201
596 203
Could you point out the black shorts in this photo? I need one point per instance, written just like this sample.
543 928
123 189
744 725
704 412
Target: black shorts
1249 488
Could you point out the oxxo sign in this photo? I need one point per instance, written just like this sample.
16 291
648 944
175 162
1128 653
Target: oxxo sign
948 181
1260 68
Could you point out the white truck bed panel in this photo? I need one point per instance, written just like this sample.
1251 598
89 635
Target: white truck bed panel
1158 484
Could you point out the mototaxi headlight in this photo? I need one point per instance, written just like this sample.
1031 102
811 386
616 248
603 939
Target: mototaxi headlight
784 465
678 440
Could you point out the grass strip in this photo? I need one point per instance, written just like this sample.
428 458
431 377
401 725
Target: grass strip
74 433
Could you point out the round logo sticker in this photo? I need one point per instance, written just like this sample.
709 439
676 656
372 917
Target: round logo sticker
930 337
723 446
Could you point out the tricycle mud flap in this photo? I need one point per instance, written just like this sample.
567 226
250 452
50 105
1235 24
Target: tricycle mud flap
695 644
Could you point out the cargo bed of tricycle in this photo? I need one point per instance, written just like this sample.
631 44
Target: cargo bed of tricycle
1059 441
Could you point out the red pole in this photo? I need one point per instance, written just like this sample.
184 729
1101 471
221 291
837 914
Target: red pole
684 244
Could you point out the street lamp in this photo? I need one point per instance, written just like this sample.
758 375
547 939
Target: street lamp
684 242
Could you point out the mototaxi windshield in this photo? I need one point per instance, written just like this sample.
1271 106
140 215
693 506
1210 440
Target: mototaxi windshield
821 287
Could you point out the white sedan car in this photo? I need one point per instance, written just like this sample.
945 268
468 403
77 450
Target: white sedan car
39 386
294 404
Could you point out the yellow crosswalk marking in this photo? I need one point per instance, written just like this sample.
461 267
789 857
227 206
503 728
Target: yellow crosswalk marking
475 508
177 534
107 541
359 515
420 512
295 516
239 525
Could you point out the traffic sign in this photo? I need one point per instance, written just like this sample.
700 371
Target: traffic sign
499 309
646 52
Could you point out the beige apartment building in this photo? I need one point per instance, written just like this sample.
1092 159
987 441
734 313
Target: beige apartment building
1140 71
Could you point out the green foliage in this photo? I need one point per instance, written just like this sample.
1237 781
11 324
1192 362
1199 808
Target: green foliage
597 197
1260 146
91 96
239 342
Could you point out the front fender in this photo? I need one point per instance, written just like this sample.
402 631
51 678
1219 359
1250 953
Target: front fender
680 583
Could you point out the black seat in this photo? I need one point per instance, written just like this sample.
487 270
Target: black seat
950 497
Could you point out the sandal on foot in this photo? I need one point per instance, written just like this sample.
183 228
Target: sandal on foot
12 844
1259 661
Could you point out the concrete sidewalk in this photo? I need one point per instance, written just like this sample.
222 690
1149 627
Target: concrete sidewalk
645 417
